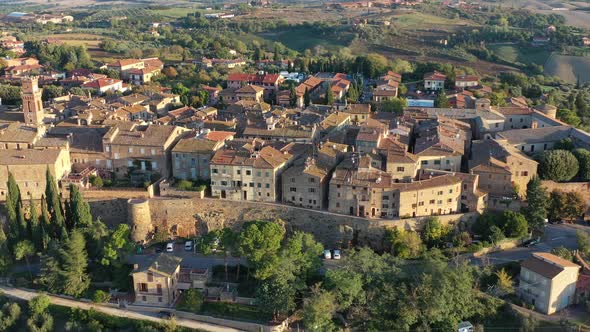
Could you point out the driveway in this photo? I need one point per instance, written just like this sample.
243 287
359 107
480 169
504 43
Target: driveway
563 235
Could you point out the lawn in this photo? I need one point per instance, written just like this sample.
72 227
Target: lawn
173 12
517 54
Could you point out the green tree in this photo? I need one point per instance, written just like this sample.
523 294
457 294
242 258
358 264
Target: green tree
558 165
504 282
9 315
318 310
79 209
496 234
563 252
347 287
306 98
39 304
101 296
5 256
537 203
405 244
64 268
329 100
434 232
260 242
583 157
35 226
24 249
396 105
441 100
54 205
191 301
13 209
118 240
275 296
42 322
44 224
299 259
292 96
583 240
515 224
566 205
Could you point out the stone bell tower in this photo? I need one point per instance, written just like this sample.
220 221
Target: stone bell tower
31 98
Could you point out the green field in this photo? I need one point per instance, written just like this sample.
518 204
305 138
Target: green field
302 38
519 55
417 20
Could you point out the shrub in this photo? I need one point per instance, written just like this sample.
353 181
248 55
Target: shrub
96 181
191 300
185 185
101 296
39 304
558 165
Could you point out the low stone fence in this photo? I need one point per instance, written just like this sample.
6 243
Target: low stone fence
503 245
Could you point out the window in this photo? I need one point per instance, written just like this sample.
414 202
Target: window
293 190
431 201
159 299
450 191
259 173
312 180
248 172
400 169
142 150
251 184
450 200
150 276
144 298
424 162
238 172
143 287
130 150
440 193
224 183
437 162
267 174
448 162
312 190
159 289
292 180
420 203
153 152
525 173
214 171
385 198
385 206
267 186
259 185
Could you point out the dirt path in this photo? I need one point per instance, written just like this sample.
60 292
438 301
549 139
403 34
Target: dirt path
27 295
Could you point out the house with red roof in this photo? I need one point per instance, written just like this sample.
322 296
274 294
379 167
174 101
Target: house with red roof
466 81
434 81
129 67
104 85
270 82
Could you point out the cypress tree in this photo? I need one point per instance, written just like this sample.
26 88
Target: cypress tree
292 96
306 98
329 95
79 209
538 203
35 227
53 201
44 224
12 198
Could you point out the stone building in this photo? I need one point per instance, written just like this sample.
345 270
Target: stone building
191 158
441 143
142 149
249 174
29 168
359 189
503 170
155 282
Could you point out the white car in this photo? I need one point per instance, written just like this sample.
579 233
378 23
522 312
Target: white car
336 254
327 254
170 247
188 246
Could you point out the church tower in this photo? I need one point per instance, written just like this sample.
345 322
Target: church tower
32 105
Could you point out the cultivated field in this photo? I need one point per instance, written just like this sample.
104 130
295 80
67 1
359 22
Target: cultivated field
519 55
569 68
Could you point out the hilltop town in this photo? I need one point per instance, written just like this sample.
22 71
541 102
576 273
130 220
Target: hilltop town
231 184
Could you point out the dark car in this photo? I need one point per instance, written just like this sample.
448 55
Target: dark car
166 314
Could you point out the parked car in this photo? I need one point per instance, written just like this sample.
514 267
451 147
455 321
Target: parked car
531 242
188 245
170 247
166 314
327 254
336 254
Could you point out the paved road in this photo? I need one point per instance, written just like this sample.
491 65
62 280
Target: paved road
555 236
150 316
